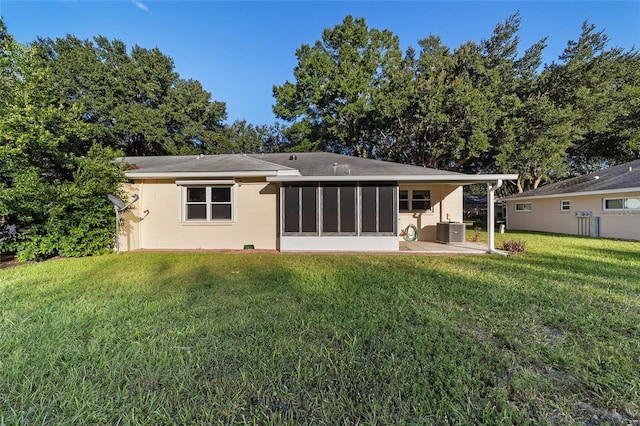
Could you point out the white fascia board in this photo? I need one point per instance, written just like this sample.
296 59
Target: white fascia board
205 182
575 194
457 179
197 175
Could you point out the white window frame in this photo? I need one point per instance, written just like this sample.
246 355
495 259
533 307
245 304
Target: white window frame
624 203
565 205
184 187
524 209
409 200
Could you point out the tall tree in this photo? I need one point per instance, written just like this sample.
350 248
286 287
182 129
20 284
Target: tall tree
245 138
331 105
437 117
133 101
53 197
539 130
601 85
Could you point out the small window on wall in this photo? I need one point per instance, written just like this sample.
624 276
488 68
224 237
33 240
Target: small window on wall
565 205
208 203
403 200
420 200
622 204
414 200
523 207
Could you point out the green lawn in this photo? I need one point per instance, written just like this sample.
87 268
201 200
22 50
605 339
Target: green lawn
548 336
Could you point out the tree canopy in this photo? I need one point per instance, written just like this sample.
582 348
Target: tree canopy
480 107
333 104
131 101
52 189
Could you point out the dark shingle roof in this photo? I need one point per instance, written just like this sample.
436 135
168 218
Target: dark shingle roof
307 163
206 163
624 176
328 164
292 167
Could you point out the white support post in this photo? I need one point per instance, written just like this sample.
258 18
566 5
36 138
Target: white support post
491 220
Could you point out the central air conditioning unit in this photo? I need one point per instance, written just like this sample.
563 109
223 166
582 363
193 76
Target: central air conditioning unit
450 232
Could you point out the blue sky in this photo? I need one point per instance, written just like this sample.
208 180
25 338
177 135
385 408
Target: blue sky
239 49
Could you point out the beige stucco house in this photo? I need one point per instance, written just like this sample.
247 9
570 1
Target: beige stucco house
288 202
601 204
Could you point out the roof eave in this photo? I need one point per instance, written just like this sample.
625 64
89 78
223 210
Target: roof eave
573 194
460 179
186 175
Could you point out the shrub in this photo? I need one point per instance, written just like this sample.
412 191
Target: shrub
64 212
514 246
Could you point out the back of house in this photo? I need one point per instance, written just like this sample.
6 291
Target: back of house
289 202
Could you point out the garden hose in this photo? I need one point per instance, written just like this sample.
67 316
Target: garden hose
410 233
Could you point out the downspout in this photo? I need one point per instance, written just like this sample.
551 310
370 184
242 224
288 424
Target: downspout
138 244
491 216
441 202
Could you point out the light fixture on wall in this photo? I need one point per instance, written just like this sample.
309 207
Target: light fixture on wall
118 206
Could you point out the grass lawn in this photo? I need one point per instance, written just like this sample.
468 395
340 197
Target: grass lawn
548 336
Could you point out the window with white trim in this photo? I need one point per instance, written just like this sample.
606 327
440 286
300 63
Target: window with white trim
621 204
414 200
565 205
208 203
524 207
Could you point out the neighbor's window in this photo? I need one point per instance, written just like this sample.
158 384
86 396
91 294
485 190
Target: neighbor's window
209 203
523 207
622 204
565 205
414 200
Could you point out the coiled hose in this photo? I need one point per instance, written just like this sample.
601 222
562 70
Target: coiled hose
410 233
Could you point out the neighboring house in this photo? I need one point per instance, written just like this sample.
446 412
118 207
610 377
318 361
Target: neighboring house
602 204
288 202
475 206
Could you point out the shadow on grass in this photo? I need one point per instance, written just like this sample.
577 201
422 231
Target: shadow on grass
631 256
219 338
